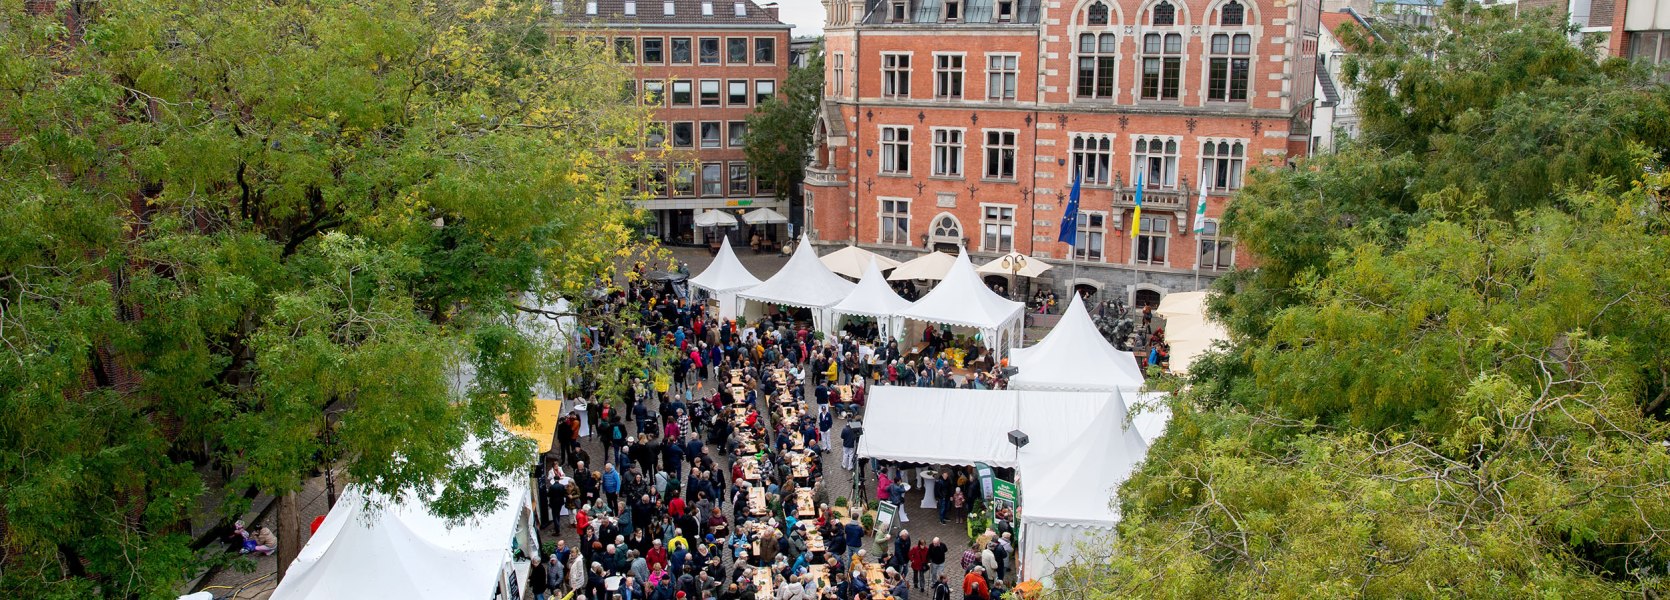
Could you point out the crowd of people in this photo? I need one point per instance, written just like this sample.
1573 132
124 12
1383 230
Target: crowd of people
709 485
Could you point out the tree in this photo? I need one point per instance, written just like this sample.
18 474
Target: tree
243 236
780 132
1447 376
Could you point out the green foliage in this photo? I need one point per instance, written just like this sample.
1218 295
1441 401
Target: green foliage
780 132
1448 375
249 236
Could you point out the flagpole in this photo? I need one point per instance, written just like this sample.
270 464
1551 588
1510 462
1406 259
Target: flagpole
1196 226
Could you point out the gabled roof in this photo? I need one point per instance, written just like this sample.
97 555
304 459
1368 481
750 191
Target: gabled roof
803 282
726 274
963 299
1074 356
872 298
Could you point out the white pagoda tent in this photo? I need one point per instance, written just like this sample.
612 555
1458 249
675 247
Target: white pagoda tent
724 278
1075 357
382 549
874 298
803 282
962 299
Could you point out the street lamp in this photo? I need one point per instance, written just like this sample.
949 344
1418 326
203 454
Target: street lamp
1014 263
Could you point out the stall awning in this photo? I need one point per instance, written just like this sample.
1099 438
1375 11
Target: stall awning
546 412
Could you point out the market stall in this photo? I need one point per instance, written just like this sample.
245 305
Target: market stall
874 299
1188 330
963 300
722 279
804 282
371 547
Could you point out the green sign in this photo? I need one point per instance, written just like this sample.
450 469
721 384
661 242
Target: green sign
1005 492
884 519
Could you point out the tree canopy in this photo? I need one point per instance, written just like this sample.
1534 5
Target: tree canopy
780 132
1447 376
233 226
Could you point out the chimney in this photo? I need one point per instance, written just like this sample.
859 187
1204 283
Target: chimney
771 11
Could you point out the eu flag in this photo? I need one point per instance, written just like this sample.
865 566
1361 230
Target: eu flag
1070 221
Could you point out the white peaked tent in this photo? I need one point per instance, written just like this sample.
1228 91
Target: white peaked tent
1188 331
1075 356
932 265
803 282
963 299
1080 451
874 298
403 551
852 260
1068 509
724 278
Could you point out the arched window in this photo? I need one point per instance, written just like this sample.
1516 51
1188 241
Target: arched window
947 229
1165 14
1097 14
1232 13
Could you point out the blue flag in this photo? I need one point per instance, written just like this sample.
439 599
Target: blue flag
1070 221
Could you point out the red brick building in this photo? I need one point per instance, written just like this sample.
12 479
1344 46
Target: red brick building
707 64
962 121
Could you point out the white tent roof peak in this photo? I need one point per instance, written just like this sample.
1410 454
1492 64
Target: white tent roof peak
872 298
803 282
963 299
1075 356
726 273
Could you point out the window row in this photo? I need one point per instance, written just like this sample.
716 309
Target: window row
1002 73
1164 14
998 149
1228 66
700 50
704 92
703 179
693 134
1150 244
1153 159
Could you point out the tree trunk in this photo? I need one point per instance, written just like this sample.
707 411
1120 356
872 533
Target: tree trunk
289 532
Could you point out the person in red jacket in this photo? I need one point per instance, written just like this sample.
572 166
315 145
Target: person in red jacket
974 585
918 564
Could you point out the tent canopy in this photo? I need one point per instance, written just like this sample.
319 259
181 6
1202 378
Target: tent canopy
404 551
973 425
1029 266
714 218
725 274
872 297
963 299
851 261
1188 331
1075 356
932 265
764 216
802 282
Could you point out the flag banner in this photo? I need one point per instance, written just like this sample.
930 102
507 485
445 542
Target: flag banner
1070 221
1200 212
1136 219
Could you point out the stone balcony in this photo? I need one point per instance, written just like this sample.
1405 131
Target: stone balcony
826 177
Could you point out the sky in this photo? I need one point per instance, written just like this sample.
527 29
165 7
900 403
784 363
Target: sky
805 15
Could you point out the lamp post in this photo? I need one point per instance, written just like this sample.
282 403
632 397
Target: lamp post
1014 263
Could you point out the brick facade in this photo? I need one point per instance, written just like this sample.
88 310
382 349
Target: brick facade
1018 151
714 62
